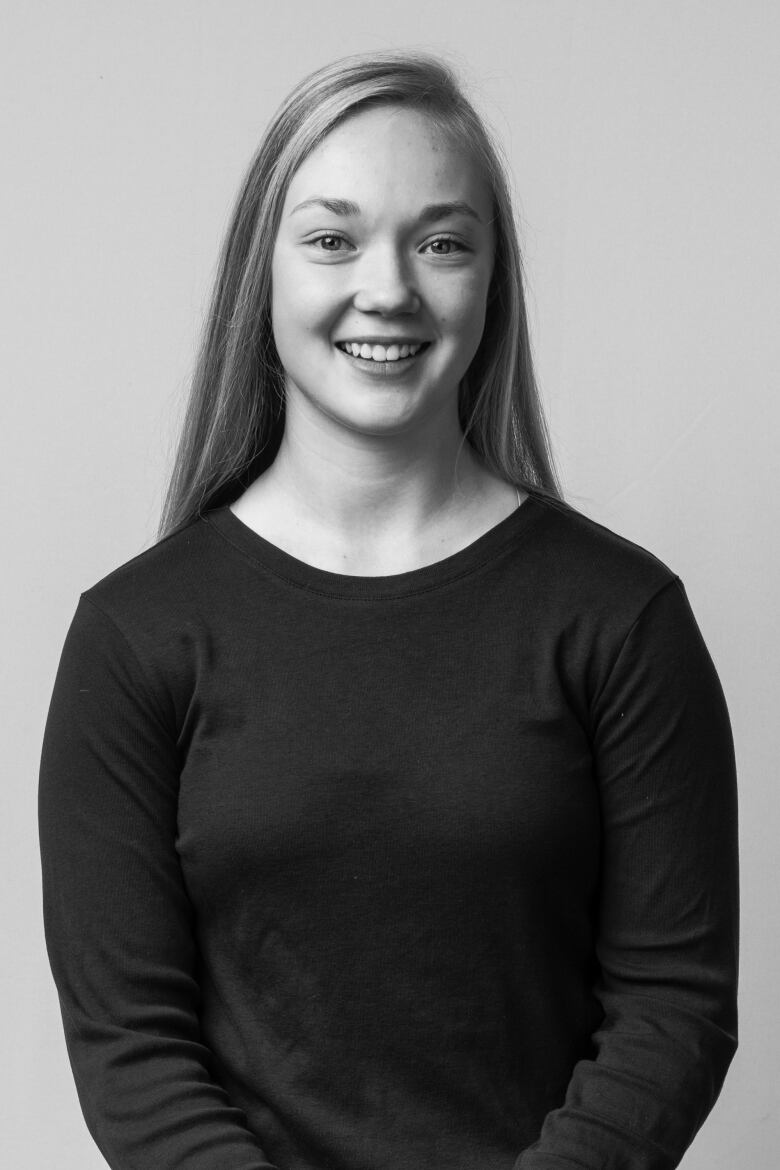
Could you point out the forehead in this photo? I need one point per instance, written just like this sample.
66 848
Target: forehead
391 156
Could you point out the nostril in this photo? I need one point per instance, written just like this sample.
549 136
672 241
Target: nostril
387 298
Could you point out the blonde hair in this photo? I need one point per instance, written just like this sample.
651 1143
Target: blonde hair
234 418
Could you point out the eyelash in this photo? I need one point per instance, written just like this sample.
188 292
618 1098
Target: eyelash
326 236
439 239
448 240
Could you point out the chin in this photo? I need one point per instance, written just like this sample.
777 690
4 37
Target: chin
375 422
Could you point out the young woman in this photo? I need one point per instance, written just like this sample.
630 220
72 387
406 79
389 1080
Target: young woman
387 803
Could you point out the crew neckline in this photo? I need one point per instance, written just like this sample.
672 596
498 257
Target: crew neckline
282 564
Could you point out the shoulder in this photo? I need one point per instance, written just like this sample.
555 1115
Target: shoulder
599 599
161 571
163 597
592 568
592 543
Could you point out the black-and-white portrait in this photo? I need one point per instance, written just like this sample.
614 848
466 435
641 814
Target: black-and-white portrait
390 698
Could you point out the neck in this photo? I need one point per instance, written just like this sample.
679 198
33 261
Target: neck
348 482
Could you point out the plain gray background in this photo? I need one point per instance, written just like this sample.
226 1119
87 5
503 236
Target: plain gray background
644 142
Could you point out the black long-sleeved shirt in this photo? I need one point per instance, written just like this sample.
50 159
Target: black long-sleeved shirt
432 871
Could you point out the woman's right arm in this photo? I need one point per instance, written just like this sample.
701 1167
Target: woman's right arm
119 923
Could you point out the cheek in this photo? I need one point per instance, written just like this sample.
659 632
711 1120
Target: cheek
464 310
300 306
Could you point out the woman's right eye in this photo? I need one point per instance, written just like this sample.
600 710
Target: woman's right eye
329 242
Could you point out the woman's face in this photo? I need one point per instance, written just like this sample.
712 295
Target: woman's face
385 244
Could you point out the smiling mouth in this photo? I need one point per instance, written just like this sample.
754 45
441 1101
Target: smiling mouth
381 354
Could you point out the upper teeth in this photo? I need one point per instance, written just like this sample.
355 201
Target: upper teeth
379 353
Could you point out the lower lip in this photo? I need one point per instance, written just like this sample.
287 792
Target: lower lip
394 369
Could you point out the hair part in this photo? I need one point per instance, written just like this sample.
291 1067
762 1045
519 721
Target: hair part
234 419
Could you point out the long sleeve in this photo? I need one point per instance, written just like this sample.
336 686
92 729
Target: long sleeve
668 912
119 924
434 871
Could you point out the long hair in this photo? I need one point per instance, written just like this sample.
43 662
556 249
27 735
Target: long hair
234 419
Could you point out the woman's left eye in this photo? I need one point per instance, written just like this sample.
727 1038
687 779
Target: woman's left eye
445 246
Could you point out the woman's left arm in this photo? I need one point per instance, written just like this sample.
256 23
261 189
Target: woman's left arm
668 914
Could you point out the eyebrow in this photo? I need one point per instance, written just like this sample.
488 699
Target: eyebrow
429 213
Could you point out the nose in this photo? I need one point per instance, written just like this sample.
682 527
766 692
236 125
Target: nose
385 284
